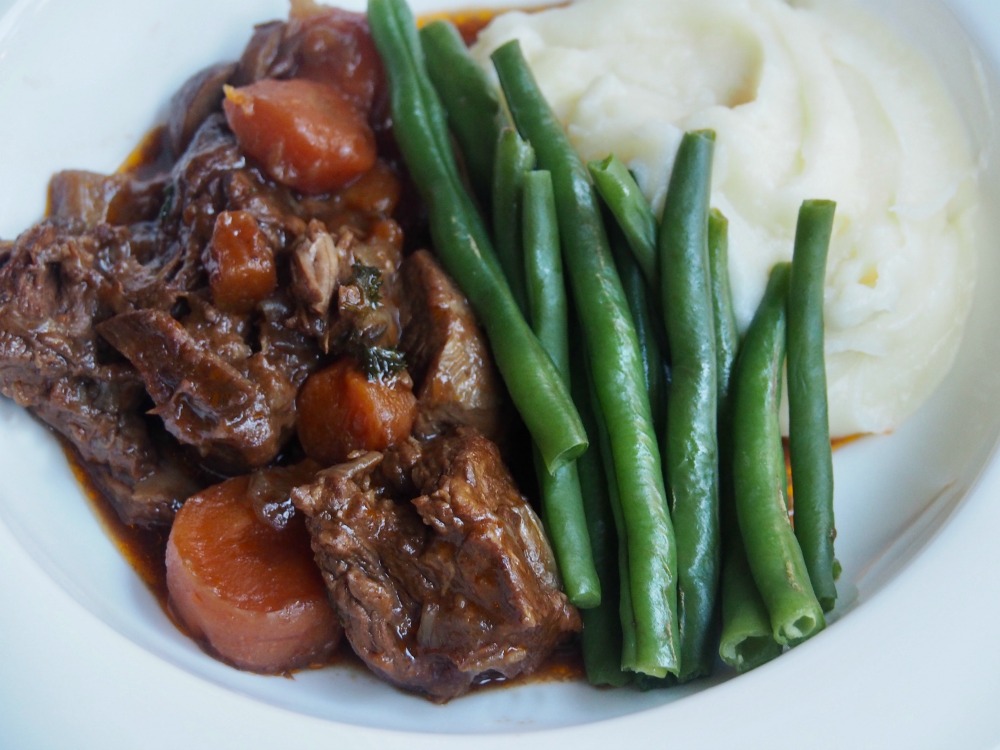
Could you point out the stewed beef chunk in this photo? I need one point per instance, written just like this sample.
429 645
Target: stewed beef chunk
236 411
437 565
194 102
56 282
456 380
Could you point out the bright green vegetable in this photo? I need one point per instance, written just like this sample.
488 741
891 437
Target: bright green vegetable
514 159
562 503
462 243
648 327
809 447
727 335
745 641
691 445
759 473
632 211
626 612
632 229
469 99
543 269
602 638
615 364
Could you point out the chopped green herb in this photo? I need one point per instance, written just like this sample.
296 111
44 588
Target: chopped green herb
169 193
381 362
369 280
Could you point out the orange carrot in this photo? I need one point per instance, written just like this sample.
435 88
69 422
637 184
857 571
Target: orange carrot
305 134
240 263
251 594
342 410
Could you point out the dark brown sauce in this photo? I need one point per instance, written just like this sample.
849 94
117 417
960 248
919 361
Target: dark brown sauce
149 157
143 548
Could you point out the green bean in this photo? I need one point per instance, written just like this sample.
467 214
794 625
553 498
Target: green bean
632 211
601 640
745 641
759 473
632 229
809 428
727 335
514 158
615 363
626 611
691 446
463 244
410 82
648 326
608 638
562 503
543 269
727 343
469 99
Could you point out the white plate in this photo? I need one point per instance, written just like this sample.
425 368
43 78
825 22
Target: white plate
88 659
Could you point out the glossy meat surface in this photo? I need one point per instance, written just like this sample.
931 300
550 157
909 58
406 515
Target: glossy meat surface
57 281
457 382
437 565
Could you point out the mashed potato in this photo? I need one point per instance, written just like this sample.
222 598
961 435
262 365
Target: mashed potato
812 99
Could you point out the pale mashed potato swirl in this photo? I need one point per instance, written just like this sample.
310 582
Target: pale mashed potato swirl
812 99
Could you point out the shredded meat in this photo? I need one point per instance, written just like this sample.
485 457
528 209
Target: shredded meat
56 283
237 411
109 333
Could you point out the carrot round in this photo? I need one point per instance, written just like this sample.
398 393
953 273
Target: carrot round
250 593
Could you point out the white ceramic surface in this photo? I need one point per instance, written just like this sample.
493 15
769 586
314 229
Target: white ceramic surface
88 660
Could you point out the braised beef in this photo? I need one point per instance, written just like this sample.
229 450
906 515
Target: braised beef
56 283
198 98
347 289
437 565
237 412
269 491
323 44
91 198
448 357
109 332
316 262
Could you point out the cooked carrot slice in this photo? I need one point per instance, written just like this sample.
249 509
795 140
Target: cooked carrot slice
251 594
377 191
240 263
305 134
341 410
